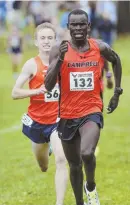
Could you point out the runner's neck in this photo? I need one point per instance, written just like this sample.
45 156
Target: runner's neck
44 57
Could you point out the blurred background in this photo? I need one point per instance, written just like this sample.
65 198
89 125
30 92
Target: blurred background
21 182
108 18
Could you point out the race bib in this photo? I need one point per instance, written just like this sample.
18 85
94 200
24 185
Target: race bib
26 120
81 81
52 95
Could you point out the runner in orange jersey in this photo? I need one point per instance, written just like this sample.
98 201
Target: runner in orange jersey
40 122
78 64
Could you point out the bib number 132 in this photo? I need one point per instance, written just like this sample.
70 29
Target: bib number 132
81 81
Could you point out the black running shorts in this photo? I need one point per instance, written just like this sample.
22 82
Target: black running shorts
68 128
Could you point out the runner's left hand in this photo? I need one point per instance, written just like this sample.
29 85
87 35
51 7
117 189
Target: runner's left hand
113 104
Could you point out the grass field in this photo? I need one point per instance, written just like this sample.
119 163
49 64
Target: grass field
22 183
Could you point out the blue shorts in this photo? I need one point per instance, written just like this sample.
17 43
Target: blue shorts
39 133
16 50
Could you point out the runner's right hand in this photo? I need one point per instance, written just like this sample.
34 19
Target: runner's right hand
63 49
41 90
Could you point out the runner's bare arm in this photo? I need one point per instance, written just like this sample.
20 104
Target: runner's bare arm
53 69
18 91
112 56
55 60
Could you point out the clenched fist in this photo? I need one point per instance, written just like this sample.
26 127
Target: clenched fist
113 103
63 49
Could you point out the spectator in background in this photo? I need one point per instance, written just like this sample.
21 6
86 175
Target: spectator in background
105 28
68 7
107 6
37 11
17 5
42 11
16 14
61 10
15 44
105 9
93 18
91 8
63 22
3 12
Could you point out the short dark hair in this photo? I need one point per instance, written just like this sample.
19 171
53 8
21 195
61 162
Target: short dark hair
77 12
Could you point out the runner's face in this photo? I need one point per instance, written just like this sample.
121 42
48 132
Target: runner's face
78 25
45 39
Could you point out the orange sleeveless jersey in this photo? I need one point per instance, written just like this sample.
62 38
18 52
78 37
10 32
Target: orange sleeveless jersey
81 82
42 108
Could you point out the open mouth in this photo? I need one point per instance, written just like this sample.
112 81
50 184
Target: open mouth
46 46
78 35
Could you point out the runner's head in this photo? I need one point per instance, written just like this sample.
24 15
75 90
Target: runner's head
45 37
78 25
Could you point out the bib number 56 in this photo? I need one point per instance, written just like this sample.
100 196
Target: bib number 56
52 95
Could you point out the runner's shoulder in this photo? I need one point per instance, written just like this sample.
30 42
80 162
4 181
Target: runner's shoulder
30 65
102 45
